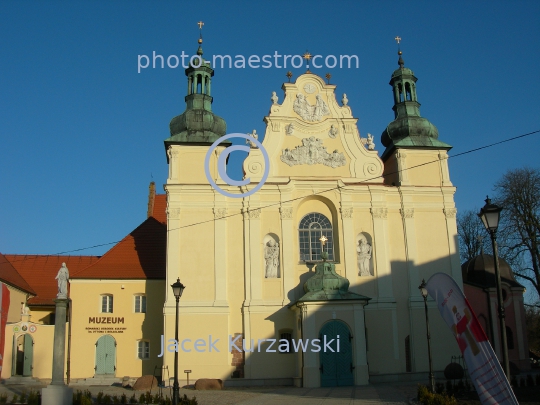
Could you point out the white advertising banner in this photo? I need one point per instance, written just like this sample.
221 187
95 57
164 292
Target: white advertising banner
485 370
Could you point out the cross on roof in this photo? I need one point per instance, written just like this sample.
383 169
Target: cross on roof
200 24
397 39
323 239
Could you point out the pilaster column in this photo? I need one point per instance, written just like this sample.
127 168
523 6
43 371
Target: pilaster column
287 261
453 249
255 245
220 257
411 252
348 242
172 153
443 164
380 245
403 174
311 372
361 370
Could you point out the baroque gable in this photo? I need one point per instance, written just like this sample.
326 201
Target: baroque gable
311 135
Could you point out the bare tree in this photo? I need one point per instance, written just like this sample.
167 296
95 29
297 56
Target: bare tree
471 235
518 192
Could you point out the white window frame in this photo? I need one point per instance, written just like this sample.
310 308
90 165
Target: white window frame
107 301
143 349
141 307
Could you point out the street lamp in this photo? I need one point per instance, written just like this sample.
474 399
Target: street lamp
424 292
490 215
178 289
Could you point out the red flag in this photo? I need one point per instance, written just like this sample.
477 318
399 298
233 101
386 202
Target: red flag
4 309
485 370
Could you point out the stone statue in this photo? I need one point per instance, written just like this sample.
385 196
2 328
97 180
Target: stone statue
274 98
254 135
370 144
62 277
344 99
271 255
364 256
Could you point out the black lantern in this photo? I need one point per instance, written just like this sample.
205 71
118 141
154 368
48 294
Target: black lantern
490 214
178 288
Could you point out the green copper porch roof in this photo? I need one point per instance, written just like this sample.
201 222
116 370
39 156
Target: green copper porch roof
327 285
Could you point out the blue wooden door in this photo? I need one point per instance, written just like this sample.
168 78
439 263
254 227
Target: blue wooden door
336 367
28 355
105 355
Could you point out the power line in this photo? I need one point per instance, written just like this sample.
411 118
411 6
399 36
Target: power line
317 193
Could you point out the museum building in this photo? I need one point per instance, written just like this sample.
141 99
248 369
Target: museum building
331 248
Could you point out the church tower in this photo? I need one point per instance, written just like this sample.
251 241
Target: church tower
409 131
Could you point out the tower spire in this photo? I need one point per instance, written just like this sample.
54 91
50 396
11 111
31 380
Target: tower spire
401 63
200 51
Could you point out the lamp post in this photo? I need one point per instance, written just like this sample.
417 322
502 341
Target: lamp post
178 289
490 214
424 292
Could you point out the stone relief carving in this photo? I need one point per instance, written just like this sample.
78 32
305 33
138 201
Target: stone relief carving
310 112
254 135
379 212
171 153
274 98
312 152
344 99
289 129
407 213
286 213
254 214
220 213
271 257
450 212
333 131
346 212
62 277
310 88
364 256
173 213
275 126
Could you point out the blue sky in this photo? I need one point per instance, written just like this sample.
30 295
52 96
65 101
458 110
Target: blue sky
82 132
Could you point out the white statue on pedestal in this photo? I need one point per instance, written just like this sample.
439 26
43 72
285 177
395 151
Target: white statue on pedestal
271 255
364 256
62 277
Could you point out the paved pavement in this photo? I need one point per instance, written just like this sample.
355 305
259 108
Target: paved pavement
391 394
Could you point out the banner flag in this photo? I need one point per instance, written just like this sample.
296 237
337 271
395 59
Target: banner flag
484 368
4 301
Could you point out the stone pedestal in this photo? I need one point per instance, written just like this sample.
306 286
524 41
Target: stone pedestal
58 393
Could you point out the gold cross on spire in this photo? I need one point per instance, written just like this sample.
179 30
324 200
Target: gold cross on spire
398 39
200 24
307 56
323 239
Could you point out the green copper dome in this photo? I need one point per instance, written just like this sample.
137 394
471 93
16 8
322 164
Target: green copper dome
409 129
197 124
326 285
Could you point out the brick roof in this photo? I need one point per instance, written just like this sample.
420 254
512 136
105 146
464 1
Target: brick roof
9 275
140 255
160 207
39 271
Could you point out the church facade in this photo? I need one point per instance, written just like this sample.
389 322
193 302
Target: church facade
335 243
312 280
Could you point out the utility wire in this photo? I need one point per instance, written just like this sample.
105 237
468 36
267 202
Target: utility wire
302 197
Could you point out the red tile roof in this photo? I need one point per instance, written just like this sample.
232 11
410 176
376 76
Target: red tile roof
160 207
140 255
9 275
39 271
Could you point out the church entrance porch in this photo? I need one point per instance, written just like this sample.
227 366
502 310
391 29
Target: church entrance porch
337 365
105 356
23 356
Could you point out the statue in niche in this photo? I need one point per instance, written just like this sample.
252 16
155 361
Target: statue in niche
271 256
62 277
364 256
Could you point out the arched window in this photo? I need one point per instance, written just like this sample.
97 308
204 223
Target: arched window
312 227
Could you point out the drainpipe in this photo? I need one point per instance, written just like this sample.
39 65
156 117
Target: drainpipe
68 369
302 331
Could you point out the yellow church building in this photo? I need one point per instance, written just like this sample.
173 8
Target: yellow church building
310 281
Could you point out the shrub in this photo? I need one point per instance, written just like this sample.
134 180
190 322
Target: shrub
86 400
186 401
15 398
3 398
100 397
133 400
23 398
115 399
123 399
107 399
426 397
142 399
33 398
